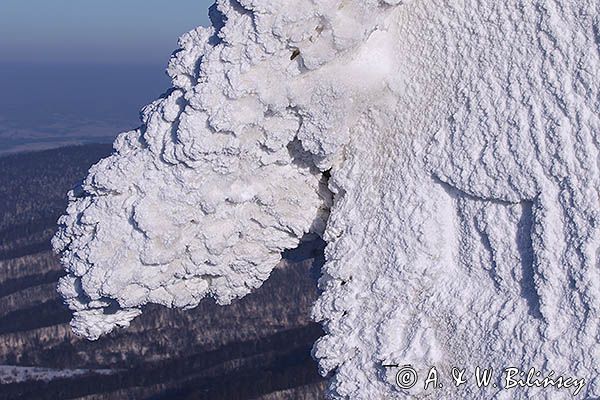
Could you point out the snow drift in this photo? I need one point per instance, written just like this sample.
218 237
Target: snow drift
462 140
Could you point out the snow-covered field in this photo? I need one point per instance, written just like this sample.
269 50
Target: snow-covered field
461 213
17 374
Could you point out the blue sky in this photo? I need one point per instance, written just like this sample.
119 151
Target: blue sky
79 71
95 31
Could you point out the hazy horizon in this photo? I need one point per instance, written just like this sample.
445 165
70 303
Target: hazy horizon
45 106
79 72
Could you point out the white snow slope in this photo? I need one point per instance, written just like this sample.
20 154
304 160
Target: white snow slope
463 143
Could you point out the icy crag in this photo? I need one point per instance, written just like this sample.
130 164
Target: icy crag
462 143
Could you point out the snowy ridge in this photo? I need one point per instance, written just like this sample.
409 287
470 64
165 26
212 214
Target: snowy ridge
462 143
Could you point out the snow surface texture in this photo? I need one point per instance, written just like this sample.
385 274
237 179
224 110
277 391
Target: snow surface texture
462 140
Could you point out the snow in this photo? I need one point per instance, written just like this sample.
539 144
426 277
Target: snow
462 210
18 374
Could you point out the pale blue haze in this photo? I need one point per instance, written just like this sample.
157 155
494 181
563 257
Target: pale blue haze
79 71
96 31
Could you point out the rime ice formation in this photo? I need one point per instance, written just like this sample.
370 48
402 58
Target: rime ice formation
462 140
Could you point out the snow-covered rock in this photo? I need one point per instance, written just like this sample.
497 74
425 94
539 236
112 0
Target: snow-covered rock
463 148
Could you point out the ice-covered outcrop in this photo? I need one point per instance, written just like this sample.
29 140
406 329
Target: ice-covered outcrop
462 143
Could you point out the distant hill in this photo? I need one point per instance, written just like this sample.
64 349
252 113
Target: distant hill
257 348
